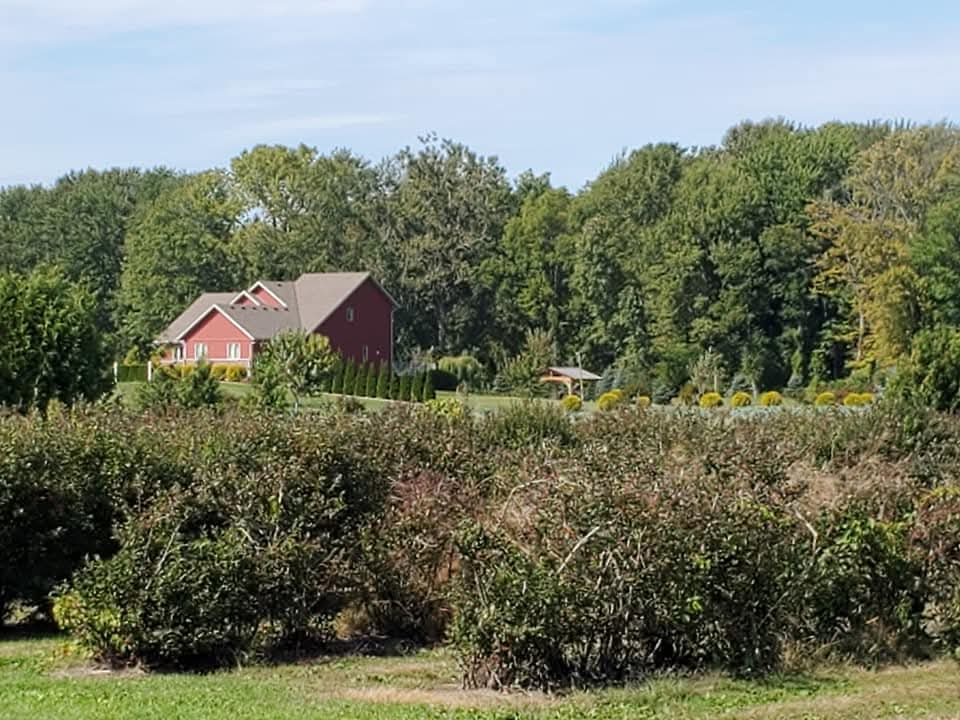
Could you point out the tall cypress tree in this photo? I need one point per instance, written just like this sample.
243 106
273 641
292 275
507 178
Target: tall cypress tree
428 393
404 393
416 387
360 381
349 375
337 385
383 383
394 386
371 389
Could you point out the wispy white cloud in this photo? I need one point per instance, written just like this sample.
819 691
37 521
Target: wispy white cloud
26 23
282 126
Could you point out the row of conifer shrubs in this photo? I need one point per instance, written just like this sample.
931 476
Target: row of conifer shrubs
372 381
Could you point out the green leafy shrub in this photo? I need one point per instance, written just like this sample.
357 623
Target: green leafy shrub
697 583
454 371
610 400
711 400
771 398
739 399
931 375
861 598
825 399
571 403
261 553
447 407
935 545
200 388
527 424
132 372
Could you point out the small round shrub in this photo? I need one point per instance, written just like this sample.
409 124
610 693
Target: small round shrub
236 373
446 407
825 399
740 399
857 399
571 403
771 398
711 400
609 400
218 371
643 401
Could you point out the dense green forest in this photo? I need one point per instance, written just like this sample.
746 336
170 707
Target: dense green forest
795 253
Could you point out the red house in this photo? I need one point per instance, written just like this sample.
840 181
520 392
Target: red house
351 309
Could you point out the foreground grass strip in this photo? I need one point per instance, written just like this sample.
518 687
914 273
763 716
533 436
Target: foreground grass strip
37 681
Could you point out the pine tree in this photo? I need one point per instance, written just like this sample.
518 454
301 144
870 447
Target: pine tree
404 393
428 393
360 381
383 383
416 387
371 388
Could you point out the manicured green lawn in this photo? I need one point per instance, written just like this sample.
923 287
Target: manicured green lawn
41 680
478 403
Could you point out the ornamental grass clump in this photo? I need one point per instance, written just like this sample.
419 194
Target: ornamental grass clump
741 399
711 400
825 399
857 399
643 402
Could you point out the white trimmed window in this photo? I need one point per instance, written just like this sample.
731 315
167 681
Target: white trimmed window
178 352
233 351
350 315
199 350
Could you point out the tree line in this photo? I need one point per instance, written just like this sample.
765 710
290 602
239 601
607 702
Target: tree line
790 253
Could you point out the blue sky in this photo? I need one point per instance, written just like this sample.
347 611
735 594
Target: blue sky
559 86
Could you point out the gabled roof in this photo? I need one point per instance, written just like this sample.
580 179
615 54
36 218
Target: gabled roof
573 373
189 316
308 302
320 294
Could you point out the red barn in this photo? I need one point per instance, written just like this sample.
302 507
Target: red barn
351 309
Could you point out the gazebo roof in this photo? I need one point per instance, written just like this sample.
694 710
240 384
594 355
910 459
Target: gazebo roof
573 373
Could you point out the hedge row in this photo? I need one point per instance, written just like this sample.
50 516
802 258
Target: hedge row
369 380
546 551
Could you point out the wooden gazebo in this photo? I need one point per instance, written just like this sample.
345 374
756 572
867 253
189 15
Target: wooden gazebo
568 376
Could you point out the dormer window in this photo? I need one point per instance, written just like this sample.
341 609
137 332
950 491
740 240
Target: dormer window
350 314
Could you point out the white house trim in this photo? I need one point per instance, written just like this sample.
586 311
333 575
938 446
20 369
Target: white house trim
203 315
243 293
259 284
